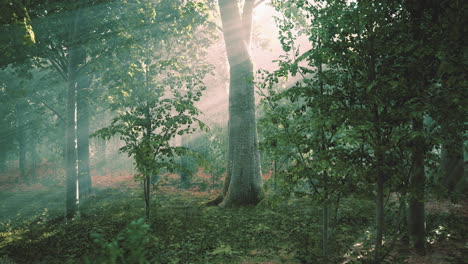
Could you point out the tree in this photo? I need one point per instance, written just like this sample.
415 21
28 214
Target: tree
377 99
243 185
83 115
154 83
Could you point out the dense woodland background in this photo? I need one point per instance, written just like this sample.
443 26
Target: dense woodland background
267 131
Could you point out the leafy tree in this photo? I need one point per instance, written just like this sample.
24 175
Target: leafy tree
374 108
155 81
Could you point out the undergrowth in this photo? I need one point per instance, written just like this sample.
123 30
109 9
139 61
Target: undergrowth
109 229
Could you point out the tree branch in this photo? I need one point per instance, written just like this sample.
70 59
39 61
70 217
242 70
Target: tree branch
49 107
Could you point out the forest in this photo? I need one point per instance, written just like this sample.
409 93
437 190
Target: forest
233 131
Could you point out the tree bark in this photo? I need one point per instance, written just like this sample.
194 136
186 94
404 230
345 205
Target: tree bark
243 184
416 215
84 176
70 132
147 193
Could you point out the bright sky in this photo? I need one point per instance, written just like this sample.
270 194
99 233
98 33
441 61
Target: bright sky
214 103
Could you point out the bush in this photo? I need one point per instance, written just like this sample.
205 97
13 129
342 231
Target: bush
130 245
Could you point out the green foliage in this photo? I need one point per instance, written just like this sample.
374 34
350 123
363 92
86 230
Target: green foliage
212 148
185 231
153 95
130 245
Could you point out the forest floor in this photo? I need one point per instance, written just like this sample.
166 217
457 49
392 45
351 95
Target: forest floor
182 229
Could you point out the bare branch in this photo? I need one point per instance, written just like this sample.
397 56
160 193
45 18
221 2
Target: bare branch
49 107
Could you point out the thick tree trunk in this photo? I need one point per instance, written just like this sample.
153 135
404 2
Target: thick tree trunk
416 215
21 137
84 176
243 184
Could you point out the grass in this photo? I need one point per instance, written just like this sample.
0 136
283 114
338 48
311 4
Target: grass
181 229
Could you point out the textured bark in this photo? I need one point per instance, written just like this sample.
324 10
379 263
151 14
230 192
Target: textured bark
243 184
84 176
416 215
21 137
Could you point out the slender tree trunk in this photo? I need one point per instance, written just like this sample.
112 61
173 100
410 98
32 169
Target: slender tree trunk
70 123
243 184
416 215
148 150
34 158
185 176
70 150
452 154
325 232
147 192
275 177
84 176
21 137
379 216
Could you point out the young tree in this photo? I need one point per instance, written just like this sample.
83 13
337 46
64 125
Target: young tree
155 81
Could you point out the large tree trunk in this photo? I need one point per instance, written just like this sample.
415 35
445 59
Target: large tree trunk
84 176
243 184
21 137
416 215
